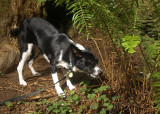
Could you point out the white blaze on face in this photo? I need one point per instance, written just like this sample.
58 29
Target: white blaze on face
96 71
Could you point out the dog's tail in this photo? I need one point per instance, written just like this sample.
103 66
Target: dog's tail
14 31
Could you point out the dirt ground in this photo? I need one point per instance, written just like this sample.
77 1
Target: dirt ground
10 87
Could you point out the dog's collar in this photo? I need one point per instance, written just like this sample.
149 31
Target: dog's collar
70 72
70 62
70 66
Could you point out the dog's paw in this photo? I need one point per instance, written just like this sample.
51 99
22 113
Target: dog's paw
71 87
23 83
37 74
61 93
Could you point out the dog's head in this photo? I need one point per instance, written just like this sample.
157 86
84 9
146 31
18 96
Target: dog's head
86 61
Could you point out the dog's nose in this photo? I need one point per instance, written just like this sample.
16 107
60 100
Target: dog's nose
100 72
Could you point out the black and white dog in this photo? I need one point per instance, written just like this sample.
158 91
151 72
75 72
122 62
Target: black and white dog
57 48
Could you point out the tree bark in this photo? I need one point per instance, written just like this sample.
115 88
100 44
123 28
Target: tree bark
13 12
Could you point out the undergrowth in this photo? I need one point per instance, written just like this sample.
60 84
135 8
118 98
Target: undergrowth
2 74
95 101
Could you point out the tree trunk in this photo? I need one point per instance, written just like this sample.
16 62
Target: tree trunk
13 12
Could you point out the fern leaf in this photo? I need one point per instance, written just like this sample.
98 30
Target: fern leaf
130 42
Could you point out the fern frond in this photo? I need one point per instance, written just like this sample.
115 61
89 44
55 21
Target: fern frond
82 14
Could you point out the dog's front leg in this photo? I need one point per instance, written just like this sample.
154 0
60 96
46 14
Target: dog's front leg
57 86
69 84
55 80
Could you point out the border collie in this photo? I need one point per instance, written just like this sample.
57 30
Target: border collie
57 48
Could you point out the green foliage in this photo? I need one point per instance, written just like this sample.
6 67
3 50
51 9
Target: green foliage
130 42
81 15
155 56
2 74
152 51
9 104
97 96
94 14
96 101
120 21
41 1
94 106
156 84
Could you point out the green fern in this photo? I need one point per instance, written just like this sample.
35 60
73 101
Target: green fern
93 14
130 42
120 20
81 15
156 85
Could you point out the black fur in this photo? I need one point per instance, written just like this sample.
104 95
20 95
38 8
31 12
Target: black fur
54 45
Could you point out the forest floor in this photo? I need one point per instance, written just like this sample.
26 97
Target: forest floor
10 87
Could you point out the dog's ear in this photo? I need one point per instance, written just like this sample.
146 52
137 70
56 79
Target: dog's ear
76 52
88 49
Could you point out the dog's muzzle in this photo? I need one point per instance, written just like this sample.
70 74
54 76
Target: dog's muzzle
97 72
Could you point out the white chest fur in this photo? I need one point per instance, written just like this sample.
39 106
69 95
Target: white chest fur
63 64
